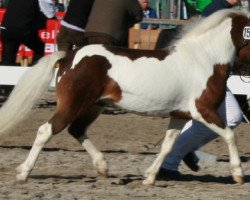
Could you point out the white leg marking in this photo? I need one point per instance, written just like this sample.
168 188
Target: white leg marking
97 157
43 135
235 162
228 135
171 135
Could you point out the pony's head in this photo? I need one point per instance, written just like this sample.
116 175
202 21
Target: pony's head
240 33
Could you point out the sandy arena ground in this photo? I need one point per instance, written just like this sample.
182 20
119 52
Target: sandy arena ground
64 169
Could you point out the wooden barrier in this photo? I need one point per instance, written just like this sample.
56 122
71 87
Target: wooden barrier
147 38
165 21
143 38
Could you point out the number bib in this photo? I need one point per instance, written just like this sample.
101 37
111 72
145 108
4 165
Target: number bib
246 33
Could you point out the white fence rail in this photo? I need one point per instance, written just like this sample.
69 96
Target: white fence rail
10 75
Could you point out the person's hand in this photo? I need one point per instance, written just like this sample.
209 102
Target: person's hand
233 2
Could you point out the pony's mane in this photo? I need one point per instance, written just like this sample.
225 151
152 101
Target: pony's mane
202 25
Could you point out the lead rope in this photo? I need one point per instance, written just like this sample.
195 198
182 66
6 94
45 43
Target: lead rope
154 145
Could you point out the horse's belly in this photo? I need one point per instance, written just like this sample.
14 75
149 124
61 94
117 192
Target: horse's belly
146 105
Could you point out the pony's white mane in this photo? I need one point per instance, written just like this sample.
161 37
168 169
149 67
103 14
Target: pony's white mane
203 25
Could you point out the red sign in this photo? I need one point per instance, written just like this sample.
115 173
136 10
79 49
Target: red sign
2 12
49 35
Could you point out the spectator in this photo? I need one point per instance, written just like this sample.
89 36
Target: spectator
73 24
148 12
59 7
110 20
166 36
21 23
195 135
218 5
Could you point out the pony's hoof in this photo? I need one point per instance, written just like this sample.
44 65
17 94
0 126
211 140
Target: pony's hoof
102 167
239 179
20 178
148 182
103 173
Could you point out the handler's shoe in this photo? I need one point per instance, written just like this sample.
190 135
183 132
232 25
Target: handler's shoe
168 174
191 160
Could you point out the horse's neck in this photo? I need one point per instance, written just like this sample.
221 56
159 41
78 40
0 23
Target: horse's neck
215 44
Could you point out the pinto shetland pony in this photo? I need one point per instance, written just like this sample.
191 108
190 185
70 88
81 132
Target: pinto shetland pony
185 82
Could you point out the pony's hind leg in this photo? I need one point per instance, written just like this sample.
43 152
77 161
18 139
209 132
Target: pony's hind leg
78 130
172 134
43 135
58 122
97 157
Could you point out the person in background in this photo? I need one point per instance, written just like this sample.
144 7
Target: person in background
21 23
195 135
218 5
59 7
148 12
110 20
73 24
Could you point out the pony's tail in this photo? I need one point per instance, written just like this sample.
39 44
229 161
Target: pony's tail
27 91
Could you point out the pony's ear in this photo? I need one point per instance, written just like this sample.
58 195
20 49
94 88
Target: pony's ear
238 24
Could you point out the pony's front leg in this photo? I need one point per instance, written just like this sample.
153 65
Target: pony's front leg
172 134
43 135
235 162
228 135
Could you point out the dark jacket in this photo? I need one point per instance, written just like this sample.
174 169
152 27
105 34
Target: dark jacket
78 12
113 18
215 6
24 14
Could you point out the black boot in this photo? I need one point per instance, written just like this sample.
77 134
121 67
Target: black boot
191 160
